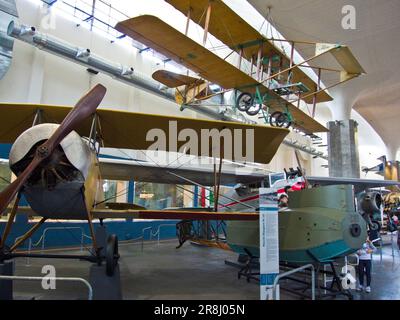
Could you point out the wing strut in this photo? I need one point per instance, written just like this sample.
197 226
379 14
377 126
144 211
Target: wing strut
209 189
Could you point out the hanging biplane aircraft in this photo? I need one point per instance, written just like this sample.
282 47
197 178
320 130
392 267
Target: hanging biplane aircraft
277 76
58 171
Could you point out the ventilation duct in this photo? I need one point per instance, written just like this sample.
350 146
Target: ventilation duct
8 12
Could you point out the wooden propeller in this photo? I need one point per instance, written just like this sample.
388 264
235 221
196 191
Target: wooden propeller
83 109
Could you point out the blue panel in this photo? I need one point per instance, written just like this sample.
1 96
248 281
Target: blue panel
196 197
131 191
125 230
267 279
4 154
5 150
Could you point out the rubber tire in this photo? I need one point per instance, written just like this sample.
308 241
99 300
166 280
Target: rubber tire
241 96
278 114
112 255
376 224
254 112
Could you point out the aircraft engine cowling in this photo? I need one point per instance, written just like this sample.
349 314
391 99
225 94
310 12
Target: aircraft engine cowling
370 202
55 187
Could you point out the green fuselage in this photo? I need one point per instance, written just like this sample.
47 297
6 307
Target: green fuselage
321 224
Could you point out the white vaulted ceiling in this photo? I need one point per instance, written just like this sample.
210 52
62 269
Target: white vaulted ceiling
375 42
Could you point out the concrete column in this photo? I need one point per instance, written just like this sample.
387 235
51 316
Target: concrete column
343 149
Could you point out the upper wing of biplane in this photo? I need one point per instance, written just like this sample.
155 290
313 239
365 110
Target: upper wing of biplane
128 130
165 39
117 169
345 58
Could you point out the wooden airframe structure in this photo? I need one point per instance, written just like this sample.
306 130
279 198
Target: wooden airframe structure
279 84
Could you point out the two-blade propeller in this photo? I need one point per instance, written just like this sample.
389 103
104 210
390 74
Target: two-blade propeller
83 109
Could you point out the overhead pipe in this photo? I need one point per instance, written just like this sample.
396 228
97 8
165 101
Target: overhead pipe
219 113
128 75
305 148
86 58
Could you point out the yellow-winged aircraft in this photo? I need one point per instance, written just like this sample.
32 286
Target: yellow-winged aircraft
58 171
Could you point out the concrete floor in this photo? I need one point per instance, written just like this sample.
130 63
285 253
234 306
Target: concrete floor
191 272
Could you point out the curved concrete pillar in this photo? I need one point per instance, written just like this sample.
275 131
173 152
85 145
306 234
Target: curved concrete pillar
340 108
392 152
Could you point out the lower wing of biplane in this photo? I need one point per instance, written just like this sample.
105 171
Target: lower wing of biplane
178 174
163 38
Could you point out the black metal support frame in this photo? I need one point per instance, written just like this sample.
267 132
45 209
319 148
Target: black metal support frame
335 289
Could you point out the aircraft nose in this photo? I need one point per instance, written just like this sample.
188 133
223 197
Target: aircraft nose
355 230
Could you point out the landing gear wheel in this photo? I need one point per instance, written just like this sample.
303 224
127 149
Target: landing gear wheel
279 119
254 109
112 255
375 226
4 253
244 101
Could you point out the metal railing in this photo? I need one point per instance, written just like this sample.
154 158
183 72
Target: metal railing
151 233
380 247
276 294
43 237
157 233
90 289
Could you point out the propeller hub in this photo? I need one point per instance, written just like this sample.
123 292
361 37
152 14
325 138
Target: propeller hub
43 151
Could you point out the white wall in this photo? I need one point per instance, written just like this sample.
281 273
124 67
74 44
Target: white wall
39 77
371 146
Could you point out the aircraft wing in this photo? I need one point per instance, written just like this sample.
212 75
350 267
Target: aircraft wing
173 80
173 44
116 169
173 215
181 214
128 130
163 38
359 184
